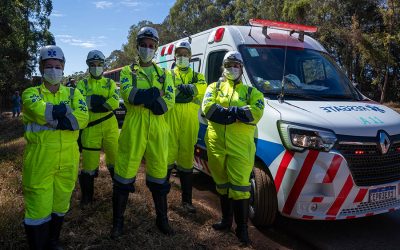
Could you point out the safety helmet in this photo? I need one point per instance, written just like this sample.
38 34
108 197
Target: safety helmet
183 45
233 56
95 55
147 32
51 52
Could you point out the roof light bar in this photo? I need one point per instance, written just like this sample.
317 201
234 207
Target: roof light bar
282 25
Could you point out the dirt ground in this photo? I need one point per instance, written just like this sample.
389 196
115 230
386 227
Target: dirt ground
90 228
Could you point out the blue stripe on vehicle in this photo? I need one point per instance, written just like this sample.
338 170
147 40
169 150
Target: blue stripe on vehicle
268 151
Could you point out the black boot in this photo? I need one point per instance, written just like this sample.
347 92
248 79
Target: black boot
120 199
161 206
111 171
186 179
227 214
86 181
241 208
55 229
38 236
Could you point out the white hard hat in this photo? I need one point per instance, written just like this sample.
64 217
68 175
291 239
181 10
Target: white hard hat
95 55
183 45
233 56
51 52
147 32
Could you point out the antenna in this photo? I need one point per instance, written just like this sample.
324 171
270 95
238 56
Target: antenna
281 96
187 34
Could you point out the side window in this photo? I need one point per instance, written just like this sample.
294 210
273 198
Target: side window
313 69
195 64
214 65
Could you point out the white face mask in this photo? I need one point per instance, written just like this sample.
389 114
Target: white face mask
96 71
53 75
182 62
146 54
232 73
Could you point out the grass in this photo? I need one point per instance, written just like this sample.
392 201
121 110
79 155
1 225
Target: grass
90 228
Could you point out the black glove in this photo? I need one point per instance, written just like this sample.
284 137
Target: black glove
156 107
222 116
146 96
59 111
241 114
64 124
186 89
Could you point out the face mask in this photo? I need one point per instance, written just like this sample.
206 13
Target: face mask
96 71
146 54
232 73
53 76
182 62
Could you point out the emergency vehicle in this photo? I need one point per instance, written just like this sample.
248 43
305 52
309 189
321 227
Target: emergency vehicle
324 150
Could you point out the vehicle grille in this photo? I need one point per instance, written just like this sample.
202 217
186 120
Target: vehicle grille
372 168
368 207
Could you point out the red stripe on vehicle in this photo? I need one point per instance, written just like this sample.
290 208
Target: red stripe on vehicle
333 169
300 181
317 199
287 157
308 217
334 209
361 194
330 218
369 214
351 217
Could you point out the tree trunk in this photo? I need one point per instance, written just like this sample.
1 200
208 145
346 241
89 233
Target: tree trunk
385 86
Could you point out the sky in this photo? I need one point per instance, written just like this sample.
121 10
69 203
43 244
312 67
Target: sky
83 25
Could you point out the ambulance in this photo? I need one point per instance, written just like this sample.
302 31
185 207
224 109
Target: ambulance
324 150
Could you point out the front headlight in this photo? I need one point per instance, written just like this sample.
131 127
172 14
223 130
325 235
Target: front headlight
297 137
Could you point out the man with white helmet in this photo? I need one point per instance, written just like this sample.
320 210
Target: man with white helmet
148 94
102 131
233 110
53 115
183 120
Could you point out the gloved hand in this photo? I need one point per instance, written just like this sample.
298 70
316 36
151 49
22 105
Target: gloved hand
156 107
146 96
222 115
96 103
64 124
59 111
186 89
241 113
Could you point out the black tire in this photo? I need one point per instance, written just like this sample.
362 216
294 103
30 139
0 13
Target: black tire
263 201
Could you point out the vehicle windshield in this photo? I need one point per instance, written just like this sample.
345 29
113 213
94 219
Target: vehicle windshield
309 74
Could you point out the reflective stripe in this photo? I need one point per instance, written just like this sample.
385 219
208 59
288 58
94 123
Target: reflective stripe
132 95
37 222
156 180
34 127
240 188
73 120
225 185
184 169
69 109
248 113
59 214
90 172
195 91
107 106
162 103
211 111
88 98
48 113
71 94
124 180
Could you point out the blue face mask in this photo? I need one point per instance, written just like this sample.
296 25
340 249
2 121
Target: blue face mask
96 71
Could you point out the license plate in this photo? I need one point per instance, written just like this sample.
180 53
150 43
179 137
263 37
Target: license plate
382 194
120 112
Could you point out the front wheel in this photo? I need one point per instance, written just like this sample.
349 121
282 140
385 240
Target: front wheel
263 200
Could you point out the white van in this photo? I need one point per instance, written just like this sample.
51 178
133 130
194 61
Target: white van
324 150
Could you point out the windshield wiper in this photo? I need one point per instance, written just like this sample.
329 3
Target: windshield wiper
341 97
304 96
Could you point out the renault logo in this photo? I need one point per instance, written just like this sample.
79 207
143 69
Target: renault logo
384 142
